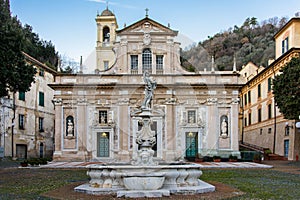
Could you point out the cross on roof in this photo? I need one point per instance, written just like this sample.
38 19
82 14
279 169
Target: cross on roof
146 12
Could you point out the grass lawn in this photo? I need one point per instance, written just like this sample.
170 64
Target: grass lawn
255 183
258 183
30 183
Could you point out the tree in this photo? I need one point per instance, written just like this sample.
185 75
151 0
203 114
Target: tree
69 65
286 89
15 74
42 50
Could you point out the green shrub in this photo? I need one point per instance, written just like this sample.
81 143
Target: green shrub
268 151
232 157
257 157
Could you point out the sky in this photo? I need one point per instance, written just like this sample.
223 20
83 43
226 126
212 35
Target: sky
70 24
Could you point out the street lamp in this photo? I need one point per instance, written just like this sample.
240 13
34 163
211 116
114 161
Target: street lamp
287 128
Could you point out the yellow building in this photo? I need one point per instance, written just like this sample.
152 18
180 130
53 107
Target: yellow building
263 124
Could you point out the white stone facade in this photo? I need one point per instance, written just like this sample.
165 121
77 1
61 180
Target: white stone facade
187 107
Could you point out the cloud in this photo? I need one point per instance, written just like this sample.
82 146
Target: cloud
114 4
98 1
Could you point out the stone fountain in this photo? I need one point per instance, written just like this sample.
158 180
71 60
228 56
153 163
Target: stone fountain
144 177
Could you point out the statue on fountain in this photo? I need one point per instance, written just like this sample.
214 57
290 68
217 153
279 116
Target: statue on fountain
150 85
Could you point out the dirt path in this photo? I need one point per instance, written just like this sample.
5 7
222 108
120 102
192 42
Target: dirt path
67 192
291 167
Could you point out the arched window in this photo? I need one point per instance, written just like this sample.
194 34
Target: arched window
106 34
147 60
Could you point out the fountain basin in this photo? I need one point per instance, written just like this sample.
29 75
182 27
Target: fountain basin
143 183
125 180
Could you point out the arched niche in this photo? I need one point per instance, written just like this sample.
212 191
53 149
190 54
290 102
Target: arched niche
224 125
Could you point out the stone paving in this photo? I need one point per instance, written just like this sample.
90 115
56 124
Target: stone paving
204 165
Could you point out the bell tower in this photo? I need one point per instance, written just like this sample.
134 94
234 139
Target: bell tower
106 36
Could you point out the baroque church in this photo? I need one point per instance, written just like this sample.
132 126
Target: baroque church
195 114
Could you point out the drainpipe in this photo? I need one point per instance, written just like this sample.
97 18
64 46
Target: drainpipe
13 124
243 120
275 120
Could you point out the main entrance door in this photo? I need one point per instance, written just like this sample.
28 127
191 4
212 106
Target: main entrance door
191 141
103 144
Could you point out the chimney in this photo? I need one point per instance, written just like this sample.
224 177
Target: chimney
81 67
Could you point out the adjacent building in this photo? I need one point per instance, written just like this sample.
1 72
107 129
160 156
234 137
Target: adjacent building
96 112
263 124
33 124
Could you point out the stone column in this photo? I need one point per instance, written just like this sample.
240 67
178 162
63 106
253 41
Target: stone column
234 121
212 125
124 134
81 127
59 133
170 133
140 64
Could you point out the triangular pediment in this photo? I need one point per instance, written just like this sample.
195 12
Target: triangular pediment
147 25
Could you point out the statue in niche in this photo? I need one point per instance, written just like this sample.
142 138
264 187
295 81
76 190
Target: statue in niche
102 119
150 85
224 128
70 126
191 120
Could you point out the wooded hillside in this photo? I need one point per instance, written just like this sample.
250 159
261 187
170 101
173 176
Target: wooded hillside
252 41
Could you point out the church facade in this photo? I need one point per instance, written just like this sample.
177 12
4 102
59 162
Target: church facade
194 114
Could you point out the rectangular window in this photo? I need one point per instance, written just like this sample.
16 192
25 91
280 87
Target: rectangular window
269 84
105 65
159 63
249 119
269 111
249 96
41 72
103 116
245 99
41 124
245 121
259 115
41 99
191 116
285 45
22 96
134 63
259 91
21 121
